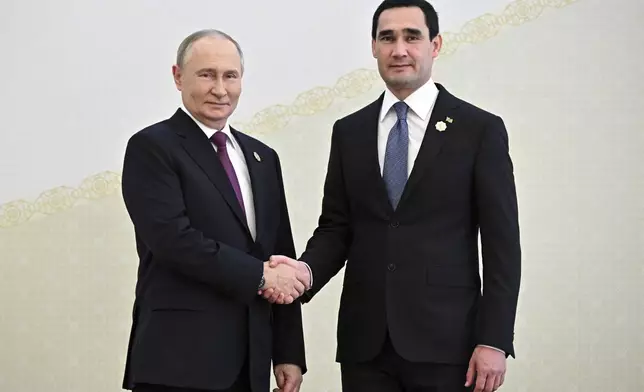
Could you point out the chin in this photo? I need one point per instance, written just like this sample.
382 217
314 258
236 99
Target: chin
402 81
218 113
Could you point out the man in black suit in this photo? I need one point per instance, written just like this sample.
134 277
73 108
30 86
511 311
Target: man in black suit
411 179
208 207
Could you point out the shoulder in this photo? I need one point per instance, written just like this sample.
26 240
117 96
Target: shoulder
263 150
158 131
361 115
479 116
162 132
471 111
359 120
487 124
254 143
161 135
479 125
154 143
475 121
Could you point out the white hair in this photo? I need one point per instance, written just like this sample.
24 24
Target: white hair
186 44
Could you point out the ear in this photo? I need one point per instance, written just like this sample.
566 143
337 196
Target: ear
373 48
176 74
437 44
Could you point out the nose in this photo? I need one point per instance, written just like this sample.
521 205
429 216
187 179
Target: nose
218 89
400 48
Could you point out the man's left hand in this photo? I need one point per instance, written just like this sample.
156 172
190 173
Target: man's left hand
486 370
288 378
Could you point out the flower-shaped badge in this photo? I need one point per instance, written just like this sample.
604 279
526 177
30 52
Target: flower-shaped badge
441 126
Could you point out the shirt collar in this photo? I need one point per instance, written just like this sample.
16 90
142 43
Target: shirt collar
211 131
420 101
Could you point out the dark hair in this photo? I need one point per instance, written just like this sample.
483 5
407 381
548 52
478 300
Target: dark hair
431 17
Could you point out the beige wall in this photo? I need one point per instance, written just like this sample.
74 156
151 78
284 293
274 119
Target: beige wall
568 84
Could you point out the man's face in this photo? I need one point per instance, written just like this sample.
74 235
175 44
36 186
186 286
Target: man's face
402 47
210 80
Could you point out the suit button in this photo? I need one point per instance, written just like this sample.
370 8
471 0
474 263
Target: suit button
391 267
394 224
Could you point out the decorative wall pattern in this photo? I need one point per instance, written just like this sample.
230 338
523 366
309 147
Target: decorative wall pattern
277 116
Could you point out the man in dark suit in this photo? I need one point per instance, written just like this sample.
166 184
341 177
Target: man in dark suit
411 179
208 207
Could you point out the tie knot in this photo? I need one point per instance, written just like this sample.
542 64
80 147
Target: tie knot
219 138
401 110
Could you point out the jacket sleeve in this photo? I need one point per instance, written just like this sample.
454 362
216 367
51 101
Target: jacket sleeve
288 333
326 251
153 196
497 208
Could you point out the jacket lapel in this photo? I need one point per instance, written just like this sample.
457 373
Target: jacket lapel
371 149
257 169
432 141
196 143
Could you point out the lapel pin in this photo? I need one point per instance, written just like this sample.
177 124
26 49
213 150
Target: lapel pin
441 126
257 157
449 120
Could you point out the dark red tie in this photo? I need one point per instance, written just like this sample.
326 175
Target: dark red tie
219 139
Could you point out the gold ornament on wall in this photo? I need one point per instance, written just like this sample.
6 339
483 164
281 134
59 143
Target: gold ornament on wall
276 117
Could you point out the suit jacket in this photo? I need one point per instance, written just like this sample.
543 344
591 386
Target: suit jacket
413 272
197 313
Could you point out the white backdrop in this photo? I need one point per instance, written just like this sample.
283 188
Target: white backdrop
81 77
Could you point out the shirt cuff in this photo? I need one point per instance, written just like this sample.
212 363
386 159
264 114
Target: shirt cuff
493 348
310 274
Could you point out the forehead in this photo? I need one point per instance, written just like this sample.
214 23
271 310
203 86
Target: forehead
401 18
213 52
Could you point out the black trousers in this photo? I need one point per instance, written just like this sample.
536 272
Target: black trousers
162 388
242 384
389 372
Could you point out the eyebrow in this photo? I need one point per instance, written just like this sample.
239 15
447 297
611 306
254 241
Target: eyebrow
212 70
408 31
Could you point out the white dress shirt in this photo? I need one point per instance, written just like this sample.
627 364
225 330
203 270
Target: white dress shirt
236 156
421 103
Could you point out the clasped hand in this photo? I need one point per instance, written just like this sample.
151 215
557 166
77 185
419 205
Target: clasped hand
285 280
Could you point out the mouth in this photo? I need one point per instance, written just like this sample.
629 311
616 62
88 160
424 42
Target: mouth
399 66
217 103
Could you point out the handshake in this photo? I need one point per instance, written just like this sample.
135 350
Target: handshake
285 280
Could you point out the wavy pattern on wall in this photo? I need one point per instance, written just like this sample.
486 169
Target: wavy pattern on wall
276 117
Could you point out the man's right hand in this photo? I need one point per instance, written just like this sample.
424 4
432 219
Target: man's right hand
282 281
302 273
